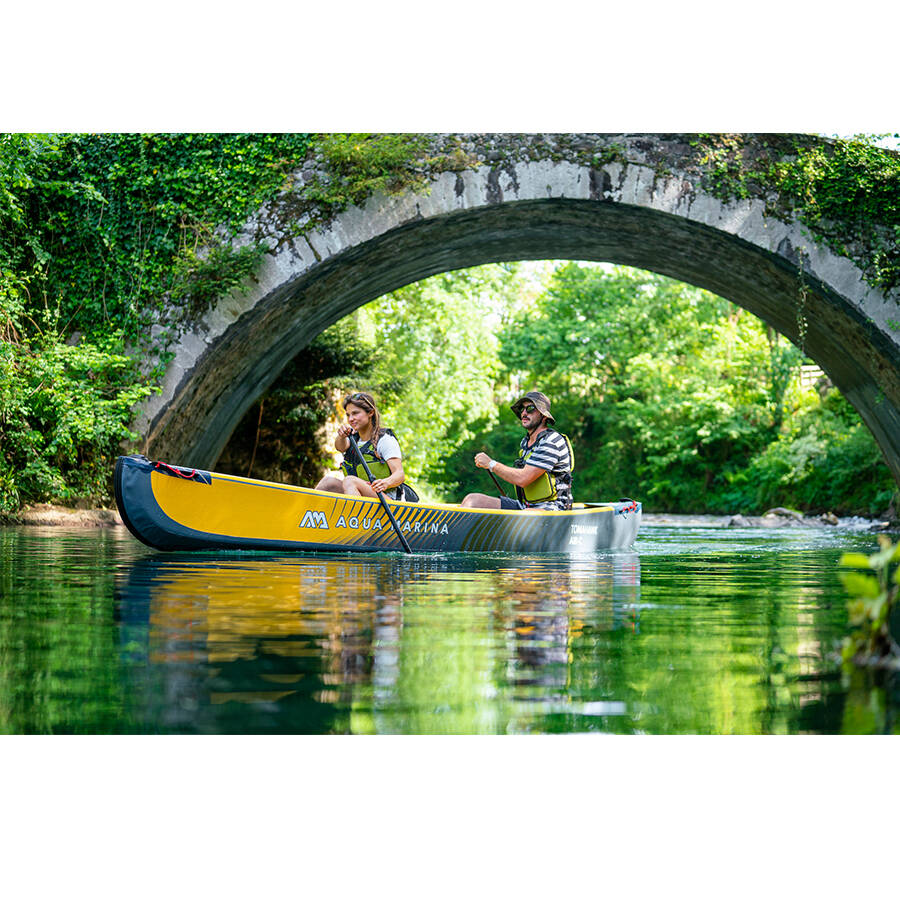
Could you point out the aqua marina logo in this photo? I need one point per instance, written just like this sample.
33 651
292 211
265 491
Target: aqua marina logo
314 518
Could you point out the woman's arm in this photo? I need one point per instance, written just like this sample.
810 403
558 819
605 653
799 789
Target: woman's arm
342 441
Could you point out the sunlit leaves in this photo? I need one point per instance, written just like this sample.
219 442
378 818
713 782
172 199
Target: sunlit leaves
362 164
872 597
101 235
437 343
861 585
109 225
663 385
673 393
64 409
855 561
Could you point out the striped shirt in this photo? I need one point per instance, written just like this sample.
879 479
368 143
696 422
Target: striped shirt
551 453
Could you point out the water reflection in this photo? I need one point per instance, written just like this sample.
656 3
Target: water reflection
374 644
698 631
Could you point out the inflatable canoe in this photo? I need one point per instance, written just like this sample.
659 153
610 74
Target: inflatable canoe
173 507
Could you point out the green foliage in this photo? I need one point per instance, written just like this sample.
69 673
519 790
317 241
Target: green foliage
222 268
64 410
847 191
281 438
676 396
873 596
100 237
437 348
113 228
117 240
658 384
362 164
118 233
825 458
359 165
457 476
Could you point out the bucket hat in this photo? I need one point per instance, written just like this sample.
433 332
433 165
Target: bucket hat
539 400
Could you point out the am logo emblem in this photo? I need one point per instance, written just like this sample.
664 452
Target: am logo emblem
314 518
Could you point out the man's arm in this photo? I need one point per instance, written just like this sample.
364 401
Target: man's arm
519 477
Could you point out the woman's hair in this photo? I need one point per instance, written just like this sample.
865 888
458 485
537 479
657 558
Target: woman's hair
367 402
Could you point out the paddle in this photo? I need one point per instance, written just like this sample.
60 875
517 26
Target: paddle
499 486
380 495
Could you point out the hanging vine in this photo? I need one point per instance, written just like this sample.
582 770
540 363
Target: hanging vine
802 297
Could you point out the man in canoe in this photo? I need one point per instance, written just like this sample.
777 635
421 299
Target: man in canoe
378 446
542 472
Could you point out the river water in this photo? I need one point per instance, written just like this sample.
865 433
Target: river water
695 631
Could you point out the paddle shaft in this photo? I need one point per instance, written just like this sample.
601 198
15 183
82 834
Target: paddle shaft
371 478
499 486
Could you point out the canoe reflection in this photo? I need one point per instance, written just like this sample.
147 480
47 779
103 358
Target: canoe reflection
253 643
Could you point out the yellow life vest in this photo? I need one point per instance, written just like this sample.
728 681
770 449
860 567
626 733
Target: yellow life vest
377 466
544 488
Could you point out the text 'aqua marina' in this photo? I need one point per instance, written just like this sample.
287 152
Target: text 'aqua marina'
318 519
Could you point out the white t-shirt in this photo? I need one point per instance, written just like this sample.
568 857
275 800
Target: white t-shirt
388 447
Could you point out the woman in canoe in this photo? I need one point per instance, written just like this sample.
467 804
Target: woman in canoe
378 446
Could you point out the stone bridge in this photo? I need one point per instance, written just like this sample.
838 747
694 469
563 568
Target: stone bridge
635 200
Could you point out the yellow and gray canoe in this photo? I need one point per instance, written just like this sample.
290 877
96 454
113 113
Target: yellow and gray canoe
174 507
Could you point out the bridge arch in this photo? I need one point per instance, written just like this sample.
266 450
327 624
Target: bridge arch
624 212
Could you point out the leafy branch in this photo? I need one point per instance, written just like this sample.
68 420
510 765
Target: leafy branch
873 596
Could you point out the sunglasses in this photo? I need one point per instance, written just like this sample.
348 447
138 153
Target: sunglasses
527 409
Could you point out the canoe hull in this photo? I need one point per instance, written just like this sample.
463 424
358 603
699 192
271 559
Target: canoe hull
175 508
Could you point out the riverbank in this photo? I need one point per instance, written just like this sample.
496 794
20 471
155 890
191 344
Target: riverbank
780 518
49 514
